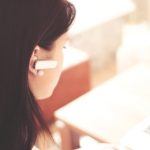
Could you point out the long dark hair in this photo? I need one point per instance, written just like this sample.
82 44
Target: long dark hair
23 25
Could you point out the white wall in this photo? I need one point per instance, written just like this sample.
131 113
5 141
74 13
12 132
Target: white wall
100 42
142 12
98 28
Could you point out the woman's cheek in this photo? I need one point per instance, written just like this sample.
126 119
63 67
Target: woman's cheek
58 70
60 66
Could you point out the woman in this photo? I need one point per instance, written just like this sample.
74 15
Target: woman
30 31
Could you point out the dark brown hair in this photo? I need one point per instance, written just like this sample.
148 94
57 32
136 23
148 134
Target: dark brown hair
23 25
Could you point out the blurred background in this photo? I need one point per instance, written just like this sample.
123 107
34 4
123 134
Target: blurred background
107 38
115 34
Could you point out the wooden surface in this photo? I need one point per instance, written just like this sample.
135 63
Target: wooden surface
107 112
74 82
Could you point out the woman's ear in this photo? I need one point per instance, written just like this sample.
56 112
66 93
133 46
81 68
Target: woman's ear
33 59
